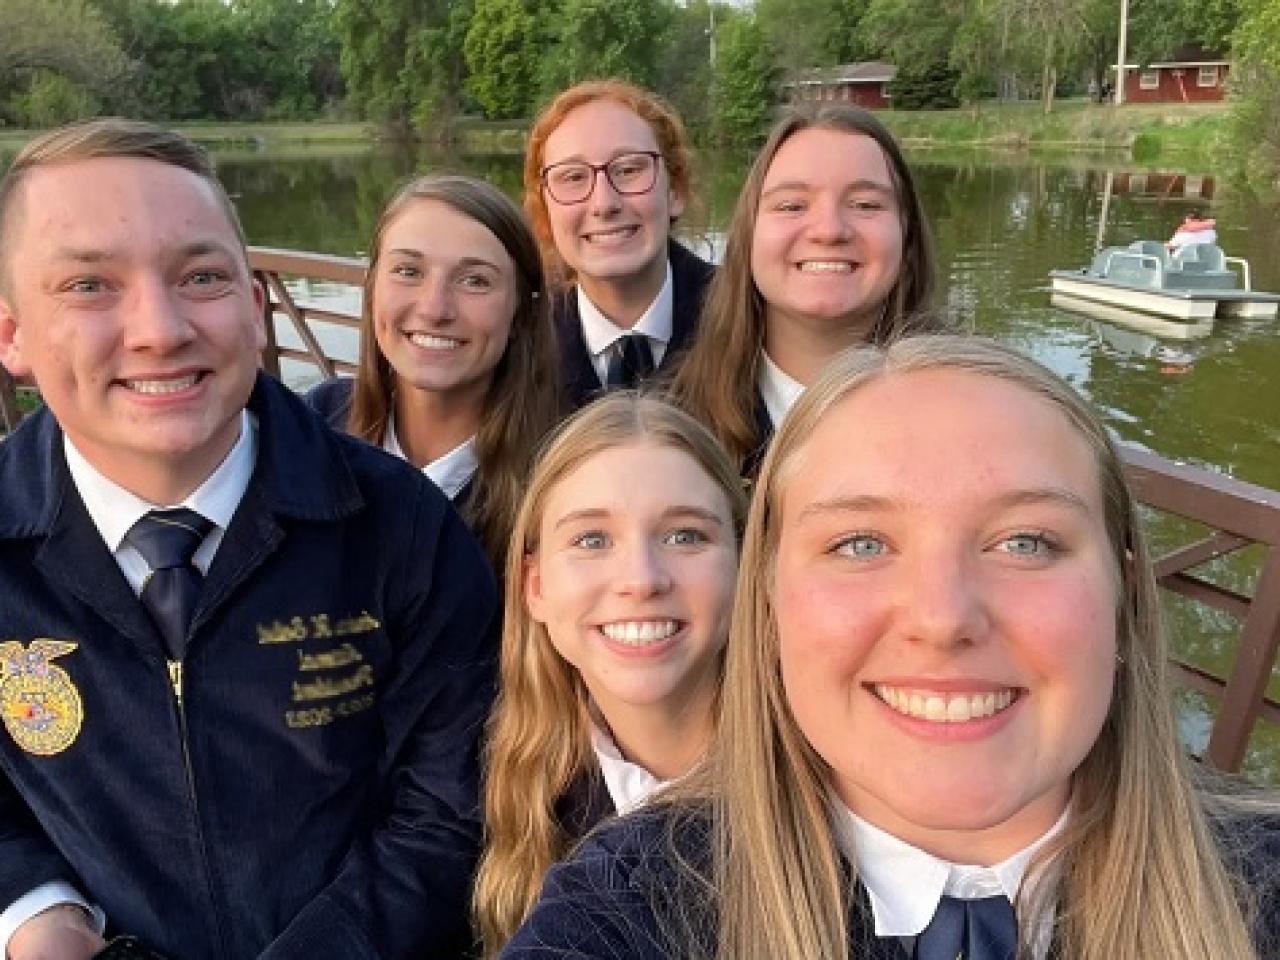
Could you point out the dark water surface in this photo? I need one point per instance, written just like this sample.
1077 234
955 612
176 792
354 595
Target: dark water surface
1001 222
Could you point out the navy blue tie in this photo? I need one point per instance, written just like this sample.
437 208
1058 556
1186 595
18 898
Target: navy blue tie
167 540
631 361
983 929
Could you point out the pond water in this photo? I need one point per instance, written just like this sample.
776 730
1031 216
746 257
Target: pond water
1001 222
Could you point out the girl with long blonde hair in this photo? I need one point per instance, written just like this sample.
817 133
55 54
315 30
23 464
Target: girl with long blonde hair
947 725
619 581
457 370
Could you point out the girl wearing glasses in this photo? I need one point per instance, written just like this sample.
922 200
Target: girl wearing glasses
947 727
619 582
606 175
457 354
827 247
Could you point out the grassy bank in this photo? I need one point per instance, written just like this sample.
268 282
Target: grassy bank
1148 130
259 136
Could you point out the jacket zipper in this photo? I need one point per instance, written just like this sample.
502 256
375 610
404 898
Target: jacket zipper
175 681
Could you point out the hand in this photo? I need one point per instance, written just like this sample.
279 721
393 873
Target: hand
63 932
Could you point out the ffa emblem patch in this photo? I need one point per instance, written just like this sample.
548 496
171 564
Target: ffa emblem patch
40 705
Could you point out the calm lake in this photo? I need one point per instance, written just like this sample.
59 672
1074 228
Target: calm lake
1000 222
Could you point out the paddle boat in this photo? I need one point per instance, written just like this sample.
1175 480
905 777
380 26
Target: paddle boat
1197 283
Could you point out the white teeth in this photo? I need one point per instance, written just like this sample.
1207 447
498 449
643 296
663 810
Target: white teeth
163 386
434 343
826 266
614 234
944 708
638 633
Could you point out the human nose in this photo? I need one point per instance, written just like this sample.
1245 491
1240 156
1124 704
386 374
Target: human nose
831 222
942 600
644 570
604 197
435 301
157 319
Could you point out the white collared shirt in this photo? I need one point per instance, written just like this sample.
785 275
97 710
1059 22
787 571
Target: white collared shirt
905 884
629 784
114 510
600 333
778 389
451 472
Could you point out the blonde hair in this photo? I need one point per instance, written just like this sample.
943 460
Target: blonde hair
1143 869
662 118
523 400
538 742
716 382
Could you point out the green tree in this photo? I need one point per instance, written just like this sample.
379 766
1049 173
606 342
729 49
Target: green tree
41 39
746 83
607 38
403 60
502 58
813 33
1256 76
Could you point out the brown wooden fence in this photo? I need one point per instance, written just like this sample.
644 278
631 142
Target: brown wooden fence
1236 515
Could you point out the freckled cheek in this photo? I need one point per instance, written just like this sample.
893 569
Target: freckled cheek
826 620
1069 627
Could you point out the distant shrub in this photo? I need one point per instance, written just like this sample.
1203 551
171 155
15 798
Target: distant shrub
930 88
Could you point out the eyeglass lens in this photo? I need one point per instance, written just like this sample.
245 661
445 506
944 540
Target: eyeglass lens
573 181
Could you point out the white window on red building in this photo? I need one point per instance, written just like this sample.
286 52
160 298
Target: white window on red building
1207 77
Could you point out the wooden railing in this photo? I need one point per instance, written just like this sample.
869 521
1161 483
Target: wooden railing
1238 515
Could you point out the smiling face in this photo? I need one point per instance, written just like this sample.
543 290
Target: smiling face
132 306
827 244
633 577
946 604
610 240
444 296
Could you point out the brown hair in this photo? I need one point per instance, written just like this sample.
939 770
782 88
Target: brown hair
103 138
716 382
539 741
522 403
668 130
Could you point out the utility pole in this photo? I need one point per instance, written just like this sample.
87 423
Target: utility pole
711 33
1124 37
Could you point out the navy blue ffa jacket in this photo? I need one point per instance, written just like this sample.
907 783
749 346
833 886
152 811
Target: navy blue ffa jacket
304 783
690 275
332 400
621 895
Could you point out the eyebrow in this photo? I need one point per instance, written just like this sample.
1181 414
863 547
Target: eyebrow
671 513
857 185
614 155
196 248
871 503
464 262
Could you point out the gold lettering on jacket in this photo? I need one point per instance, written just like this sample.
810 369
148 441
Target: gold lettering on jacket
343 656
325 689
320 626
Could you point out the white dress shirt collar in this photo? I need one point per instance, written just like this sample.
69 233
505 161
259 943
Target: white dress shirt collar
114 510
600 333
905 884
777 388
450 472
629 784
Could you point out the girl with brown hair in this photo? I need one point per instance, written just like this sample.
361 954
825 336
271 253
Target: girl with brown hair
457 354
827 247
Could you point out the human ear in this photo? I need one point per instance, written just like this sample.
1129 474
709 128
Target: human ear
259 301
531 577
11 341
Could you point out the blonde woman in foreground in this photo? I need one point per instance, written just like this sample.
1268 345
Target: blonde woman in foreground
619 582
947 726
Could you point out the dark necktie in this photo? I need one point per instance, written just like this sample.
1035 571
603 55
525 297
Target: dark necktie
630 361
983 929
167 540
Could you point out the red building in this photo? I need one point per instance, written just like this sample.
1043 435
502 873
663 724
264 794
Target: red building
865 84
1191 75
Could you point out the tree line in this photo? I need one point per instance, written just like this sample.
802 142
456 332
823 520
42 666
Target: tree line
412 64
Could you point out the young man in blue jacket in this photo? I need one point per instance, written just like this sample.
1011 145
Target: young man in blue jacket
244 660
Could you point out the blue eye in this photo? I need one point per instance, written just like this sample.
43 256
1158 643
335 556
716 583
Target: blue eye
862 546
405 271
1027 544
685 537
475 282
590 540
